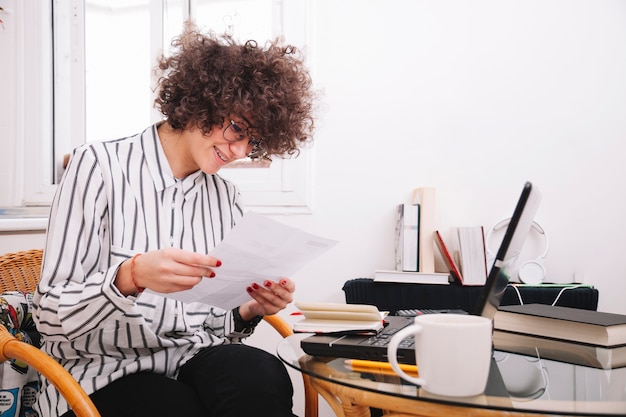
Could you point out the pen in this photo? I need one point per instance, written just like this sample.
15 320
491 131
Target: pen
358 364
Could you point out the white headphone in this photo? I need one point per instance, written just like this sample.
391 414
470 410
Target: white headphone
530 272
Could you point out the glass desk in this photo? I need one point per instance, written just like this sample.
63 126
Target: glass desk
519 385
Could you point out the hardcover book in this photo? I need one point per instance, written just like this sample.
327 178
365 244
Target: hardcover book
448 258
565 323
425 197
407 237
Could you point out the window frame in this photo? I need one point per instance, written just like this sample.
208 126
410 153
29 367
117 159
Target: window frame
46 134
34 179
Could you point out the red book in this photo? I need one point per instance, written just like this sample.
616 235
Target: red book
448 259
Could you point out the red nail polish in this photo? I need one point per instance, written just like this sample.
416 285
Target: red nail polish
248 289
255 286
268 284
283 282
212 274
218 263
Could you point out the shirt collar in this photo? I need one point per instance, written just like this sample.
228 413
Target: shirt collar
159 167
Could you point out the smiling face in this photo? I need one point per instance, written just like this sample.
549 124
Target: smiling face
212 151
190 150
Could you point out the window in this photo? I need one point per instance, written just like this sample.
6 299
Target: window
94 82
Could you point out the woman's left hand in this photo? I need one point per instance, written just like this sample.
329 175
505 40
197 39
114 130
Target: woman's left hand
268 299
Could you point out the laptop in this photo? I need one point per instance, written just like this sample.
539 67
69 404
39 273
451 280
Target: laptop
375 347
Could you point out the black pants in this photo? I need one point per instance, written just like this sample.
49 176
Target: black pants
223 381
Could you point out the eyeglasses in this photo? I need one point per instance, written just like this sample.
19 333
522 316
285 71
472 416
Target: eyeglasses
236 132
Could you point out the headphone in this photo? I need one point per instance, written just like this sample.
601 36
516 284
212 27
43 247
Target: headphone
531 272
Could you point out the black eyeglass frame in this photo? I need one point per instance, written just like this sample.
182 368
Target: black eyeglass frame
242 134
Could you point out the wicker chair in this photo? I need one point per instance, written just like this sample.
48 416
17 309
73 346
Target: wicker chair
20 271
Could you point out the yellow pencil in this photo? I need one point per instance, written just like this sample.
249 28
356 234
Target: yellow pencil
376 371
359 364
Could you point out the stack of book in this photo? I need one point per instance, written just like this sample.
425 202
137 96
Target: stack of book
583 337
340 319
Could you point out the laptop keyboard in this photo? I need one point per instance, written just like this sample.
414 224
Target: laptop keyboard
412 312
383 338
415 312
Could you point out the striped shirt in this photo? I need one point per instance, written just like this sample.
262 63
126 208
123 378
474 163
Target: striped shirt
119 198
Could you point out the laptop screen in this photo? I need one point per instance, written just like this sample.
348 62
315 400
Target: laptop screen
508 252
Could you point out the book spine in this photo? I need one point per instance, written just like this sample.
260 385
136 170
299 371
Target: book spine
407 238
483 259
425 197
410 244
398 237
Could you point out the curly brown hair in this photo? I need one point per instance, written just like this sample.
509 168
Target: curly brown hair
211 77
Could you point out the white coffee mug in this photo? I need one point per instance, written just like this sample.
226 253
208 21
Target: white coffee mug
453 353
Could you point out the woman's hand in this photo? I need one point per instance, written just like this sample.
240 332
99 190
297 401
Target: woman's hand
165 270
267 299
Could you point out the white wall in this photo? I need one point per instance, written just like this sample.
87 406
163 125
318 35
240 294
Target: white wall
474 98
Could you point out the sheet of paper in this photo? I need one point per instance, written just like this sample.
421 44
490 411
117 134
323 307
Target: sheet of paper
258 248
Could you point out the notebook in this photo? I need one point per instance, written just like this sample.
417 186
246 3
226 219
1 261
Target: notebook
375 347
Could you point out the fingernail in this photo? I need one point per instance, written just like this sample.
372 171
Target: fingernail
249 289
268 284
255 286
218 263
283 282
212 274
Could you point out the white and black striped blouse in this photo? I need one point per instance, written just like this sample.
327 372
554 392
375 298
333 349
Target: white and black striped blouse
116 199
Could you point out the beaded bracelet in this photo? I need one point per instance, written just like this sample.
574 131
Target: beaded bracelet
132 274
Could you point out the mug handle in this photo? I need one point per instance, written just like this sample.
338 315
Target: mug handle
392 350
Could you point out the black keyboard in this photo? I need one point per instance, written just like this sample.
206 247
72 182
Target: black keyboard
383 338
410 312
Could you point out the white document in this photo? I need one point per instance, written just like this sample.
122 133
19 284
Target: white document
257 249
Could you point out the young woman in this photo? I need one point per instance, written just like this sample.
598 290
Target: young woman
144 212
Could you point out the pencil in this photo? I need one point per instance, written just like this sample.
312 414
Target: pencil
377 371
363 365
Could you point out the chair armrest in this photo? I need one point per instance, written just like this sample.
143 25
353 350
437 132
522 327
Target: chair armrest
280 325
79 401
310 395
